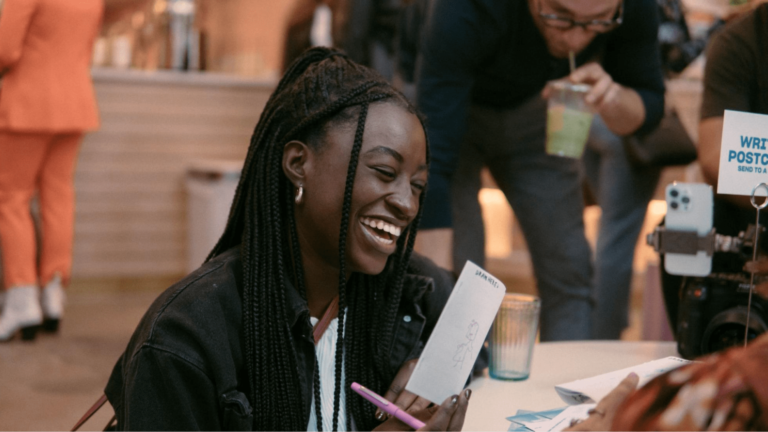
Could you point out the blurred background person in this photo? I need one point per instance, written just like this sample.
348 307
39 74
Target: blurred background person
482 70
46 104
410 26
735 78
624 189
679 47
365 29
371 33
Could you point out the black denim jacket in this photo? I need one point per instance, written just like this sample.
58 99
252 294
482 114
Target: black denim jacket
183 367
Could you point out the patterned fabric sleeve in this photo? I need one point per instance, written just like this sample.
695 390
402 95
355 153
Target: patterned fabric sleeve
724 391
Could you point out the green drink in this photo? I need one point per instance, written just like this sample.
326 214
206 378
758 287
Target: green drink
568 120
567 131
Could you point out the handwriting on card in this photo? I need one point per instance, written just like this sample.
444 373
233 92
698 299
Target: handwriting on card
456 341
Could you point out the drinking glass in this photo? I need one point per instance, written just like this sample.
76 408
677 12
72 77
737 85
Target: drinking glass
513 336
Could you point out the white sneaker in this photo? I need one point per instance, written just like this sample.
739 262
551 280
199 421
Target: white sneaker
21 311
52 301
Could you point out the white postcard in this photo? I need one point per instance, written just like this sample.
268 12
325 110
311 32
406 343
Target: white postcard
590 390
450 353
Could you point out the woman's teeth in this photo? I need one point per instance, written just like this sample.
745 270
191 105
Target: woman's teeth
383 226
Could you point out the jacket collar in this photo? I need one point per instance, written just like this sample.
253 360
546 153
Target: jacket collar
414 288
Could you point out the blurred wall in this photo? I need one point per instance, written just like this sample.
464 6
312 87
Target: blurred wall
131 202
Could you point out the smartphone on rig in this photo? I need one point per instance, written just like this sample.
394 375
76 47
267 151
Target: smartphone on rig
689 208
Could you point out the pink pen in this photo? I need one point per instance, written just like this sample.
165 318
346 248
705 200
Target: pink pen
387 406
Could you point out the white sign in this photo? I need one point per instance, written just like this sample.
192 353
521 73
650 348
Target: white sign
743 154
450 353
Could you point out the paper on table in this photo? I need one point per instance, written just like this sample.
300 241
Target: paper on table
533 421
595 388
573 412
451 350
548 421
527 415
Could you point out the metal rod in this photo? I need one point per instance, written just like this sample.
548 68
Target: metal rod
754 252
752 277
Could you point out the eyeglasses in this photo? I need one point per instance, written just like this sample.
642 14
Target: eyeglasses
598 26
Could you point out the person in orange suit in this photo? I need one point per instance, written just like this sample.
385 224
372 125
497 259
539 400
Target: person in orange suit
47 102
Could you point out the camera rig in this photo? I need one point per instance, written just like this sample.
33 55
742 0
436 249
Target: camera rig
714 311
664 241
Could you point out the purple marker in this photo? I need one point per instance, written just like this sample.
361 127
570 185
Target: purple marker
387 406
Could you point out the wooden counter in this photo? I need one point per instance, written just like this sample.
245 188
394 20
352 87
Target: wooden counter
129 182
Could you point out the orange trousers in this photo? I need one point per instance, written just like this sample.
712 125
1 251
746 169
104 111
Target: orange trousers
42 163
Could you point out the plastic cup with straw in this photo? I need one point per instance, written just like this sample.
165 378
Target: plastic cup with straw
569 117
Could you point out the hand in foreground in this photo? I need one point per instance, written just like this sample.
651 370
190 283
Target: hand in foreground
447 417
602 417
397 393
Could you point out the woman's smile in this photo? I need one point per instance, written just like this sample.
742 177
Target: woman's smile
383 233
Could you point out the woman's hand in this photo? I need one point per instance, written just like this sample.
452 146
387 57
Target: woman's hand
602 416
401 397
447 417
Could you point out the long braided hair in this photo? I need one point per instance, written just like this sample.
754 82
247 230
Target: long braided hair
320 90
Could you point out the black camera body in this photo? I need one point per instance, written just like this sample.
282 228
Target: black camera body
713 314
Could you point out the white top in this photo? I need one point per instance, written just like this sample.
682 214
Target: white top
325 350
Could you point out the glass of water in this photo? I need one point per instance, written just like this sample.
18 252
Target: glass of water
513 336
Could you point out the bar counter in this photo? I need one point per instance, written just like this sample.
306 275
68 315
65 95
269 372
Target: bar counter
129 182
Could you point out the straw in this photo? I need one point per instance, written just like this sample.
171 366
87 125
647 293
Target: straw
572 60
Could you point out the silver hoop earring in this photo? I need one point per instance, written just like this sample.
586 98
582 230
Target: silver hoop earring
299 195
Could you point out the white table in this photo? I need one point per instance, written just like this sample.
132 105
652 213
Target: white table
553 363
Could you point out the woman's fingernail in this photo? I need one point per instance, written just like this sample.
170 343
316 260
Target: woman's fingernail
380 416
454 399
467 393
632 374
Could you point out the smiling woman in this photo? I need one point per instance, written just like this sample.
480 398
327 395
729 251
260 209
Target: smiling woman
325 214
388 185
